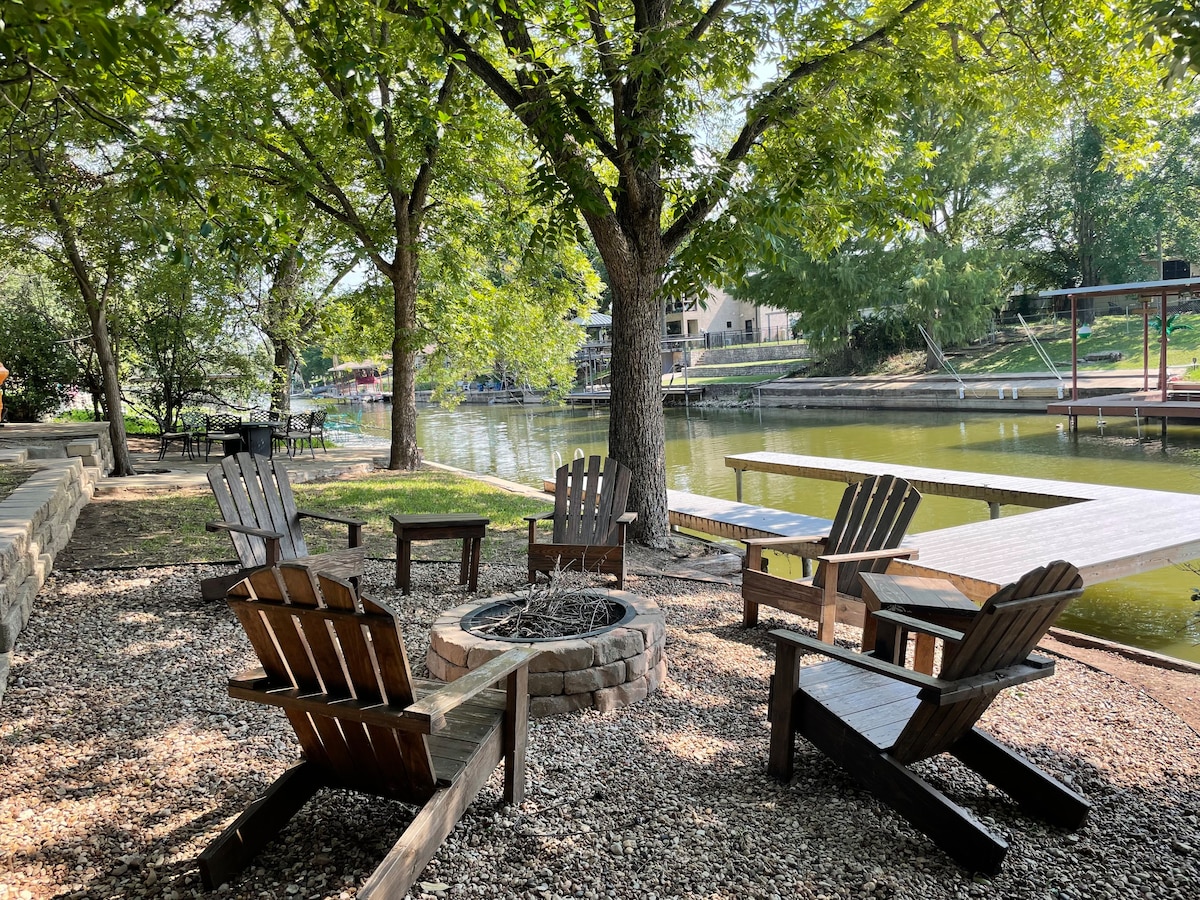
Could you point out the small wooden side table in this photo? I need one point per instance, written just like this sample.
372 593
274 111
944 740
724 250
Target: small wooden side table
932 600
439 527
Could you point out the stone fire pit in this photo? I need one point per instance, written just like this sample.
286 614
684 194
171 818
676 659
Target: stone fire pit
606 669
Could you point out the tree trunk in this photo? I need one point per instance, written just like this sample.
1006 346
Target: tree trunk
932 363
404 452
281 377
95 302
122 462
1086 150
280 323
636 428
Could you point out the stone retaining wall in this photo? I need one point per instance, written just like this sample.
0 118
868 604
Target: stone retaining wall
36 522
88 441
722 356
607 671
763 371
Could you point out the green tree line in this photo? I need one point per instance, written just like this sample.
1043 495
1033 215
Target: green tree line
220 186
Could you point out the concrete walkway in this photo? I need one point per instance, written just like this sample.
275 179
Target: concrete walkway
177 471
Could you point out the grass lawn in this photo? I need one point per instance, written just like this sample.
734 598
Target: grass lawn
1108 333
168 529
1018 355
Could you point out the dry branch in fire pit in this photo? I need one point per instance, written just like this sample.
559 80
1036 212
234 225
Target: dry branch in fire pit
565 607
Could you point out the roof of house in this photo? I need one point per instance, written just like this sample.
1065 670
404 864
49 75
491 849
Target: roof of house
595 320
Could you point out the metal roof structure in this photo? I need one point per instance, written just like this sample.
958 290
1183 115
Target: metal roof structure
1146 290
1169 287
595 320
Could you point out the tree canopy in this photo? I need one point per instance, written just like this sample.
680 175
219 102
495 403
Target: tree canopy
423 170
669 128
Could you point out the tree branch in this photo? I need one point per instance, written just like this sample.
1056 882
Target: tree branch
769 111
565 156
705 21
420 189
345 211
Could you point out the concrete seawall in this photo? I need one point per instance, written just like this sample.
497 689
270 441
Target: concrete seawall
1008 393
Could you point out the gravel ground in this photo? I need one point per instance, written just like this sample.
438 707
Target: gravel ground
122 756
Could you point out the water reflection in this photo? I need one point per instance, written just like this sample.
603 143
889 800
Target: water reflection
1150 610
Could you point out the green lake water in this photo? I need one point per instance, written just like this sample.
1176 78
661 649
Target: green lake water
1151 611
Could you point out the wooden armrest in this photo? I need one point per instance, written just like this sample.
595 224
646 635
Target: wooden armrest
340 520
807 546
934 690
251 678
910 623
540 516
243 529
987 684
812 645
433 707
626 518
797 539
893 553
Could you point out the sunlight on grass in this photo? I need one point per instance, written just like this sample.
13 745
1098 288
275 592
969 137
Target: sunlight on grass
169 529
1109 333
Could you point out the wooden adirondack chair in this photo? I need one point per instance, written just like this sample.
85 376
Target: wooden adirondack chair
865 537
259 511
877 718
336 664
589 521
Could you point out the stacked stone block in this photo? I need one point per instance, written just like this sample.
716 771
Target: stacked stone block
36 522
607 671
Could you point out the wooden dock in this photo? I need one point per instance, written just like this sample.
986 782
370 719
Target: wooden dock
1108 532
604 396
727 519
995 490
1181 403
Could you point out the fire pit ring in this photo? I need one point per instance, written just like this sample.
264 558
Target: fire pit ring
478 619
605 669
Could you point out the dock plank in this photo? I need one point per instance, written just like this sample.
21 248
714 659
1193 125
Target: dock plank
1144 404
730 519
1019 490
1099 528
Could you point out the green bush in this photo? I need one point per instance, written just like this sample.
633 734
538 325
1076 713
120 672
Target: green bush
139 425
42 372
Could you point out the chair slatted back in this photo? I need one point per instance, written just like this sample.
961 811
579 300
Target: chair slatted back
255 492
1003 633
874 515
222 423
588 501
313 635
